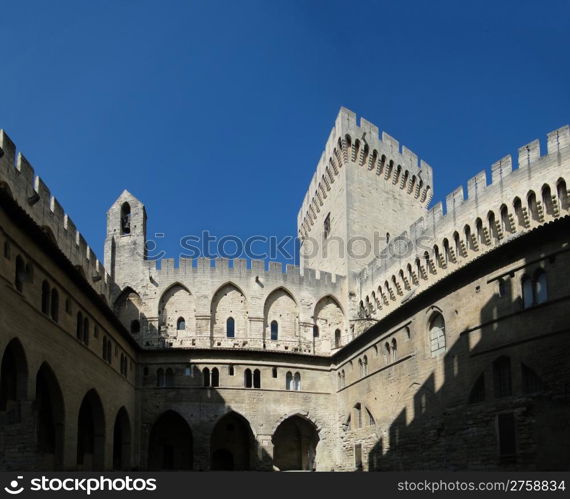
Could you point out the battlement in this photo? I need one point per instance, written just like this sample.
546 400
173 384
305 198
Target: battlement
489 206
169 269
33 196
362 145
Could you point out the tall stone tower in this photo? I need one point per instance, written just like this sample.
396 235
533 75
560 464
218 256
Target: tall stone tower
366 191
125 248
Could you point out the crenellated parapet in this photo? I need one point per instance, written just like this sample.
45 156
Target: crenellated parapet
494 210
204 293
18 177
361 145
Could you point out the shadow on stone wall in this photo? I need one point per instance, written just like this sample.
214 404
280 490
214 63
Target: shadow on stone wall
504 400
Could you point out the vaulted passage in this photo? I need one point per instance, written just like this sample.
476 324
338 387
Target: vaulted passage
122 441
49 419
232 444
13 377
171 444
91 433
295 444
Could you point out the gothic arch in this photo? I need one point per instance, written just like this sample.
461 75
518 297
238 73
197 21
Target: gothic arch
128 307
177 301
281 307
233 444
328 316
50 416
229 301
170 444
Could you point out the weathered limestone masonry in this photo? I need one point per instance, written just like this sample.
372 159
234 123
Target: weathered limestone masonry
443 347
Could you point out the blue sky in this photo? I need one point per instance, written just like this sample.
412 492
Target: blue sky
215 113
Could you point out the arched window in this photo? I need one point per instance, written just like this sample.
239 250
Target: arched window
54 304
86 331
533 206
45 297
79 326
180 324
502 377
540 287
480 231
343 378
387 352
527 292
135 326
365 366
505 219
20 276
274 330
547 199
315 331
562 193
126 218
109 351
215 377
206 376
288 381
337 338
169 377
517 206
437 334
360 367
230 327
297 382
257 379
394 349
247 378
159 377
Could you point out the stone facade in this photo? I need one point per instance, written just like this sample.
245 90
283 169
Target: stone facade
440 347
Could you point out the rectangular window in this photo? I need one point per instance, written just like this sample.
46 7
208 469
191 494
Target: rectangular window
506 429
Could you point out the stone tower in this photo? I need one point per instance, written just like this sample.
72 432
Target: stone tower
365 192
125 248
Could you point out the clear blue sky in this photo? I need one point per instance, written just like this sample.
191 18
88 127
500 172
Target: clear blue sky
215 113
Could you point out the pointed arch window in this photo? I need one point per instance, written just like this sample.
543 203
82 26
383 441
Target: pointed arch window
247 378
206 376
288 381
215 377
20 276
54 306
45 297
297 382
257 378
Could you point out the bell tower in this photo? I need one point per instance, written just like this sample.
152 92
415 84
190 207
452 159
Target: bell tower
125 244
